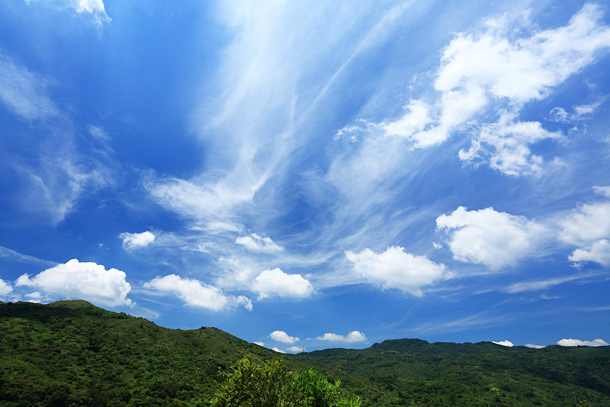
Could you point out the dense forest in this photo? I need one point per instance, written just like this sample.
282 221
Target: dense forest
71 353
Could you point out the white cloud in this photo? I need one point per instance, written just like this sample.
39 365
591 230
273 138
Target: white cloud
257 243
560 115
588 227
12 255
34 297
54 185
275 349
527 68
197 294
531 346
521 71
605 191
599 253
94 7
496 239
578 342
24 93
353 336
540 285
276 282
133 241
587 224
281 336
396 268
86 280
219 227
509 141
296 349
202 200
508 344
478 69
5 288
54 173
259 343
413 122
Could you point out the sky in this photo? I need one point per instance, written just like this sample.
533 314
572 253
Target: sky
310 175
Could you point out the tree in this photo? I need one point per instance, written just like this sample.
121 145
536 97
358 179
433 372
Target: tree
271 384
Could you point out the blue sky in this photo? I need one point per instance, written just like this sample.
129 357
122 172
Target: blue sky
312 174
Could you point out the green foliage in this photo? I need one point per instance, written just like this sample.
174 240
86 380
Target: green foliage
415 372
74 354
271 384
71 353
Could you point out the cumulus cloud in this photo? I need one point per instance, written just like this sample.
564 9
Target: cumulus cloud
508 344
278 350
578 342
257 243
197 294
524 69
296 349
495 239
395 268
353 336
259 343
529 345
411 123
478 69
275 282
5 288
598 253
588 227
133 241
587 224
281 336
88 281
506 145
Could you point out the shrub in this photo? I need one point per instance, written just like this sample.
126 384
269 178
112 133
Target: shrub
270 384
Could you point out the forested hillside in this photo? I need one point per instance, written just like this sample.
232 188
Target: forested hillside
415 372
71 353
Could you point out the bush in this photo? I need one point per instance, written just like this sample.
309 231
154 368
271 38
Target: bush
270 384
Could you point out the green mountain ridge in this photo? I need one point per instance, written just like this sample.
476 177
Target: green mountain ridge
71 353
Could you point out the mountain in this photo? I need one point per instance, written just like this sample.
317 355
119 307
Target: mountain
71 353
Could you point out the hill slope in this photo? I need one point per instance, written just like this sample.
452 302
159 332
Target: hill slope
71 353
415 372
